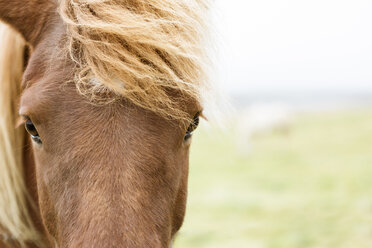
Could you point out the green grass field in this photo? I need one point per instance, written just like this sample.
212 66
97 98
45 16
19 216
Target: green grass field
311 187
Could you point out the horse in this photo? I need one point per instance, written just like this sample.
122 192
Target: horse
99 101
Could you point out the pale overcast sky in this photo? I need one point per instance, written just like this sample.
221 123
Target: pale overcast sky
269 45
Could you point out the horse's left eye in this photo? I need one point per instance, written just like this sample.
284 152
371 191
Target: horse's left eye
194 124
31 129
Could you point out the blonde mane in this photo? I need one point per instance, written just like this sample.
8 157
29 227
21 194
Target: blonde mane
15 220
150 52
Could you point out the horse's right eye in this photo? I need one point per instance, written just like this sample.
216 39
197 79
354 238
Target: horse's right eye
31 129
192 127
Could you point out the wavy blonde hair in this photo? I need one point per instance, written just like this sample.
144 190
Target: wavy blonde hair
151 52
15 221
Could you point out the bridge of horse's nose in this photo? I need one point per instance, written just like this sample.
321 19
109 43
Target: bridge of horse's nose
125 185
105 226
112 231
117 206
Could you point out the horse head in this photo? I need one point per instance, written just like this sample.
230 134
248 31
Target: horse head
109 97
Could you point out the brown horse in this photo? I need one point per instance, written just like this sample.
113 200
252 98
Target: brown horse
109 92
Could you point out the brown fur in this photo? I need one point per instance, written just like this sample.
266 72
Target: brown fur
112 175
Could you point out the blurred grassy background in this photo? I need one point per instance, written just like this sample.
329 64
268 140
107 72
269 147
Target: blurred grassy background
310 187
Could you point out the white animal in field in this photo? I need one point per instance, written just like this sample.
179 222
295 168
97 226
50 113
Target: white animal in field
259 119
